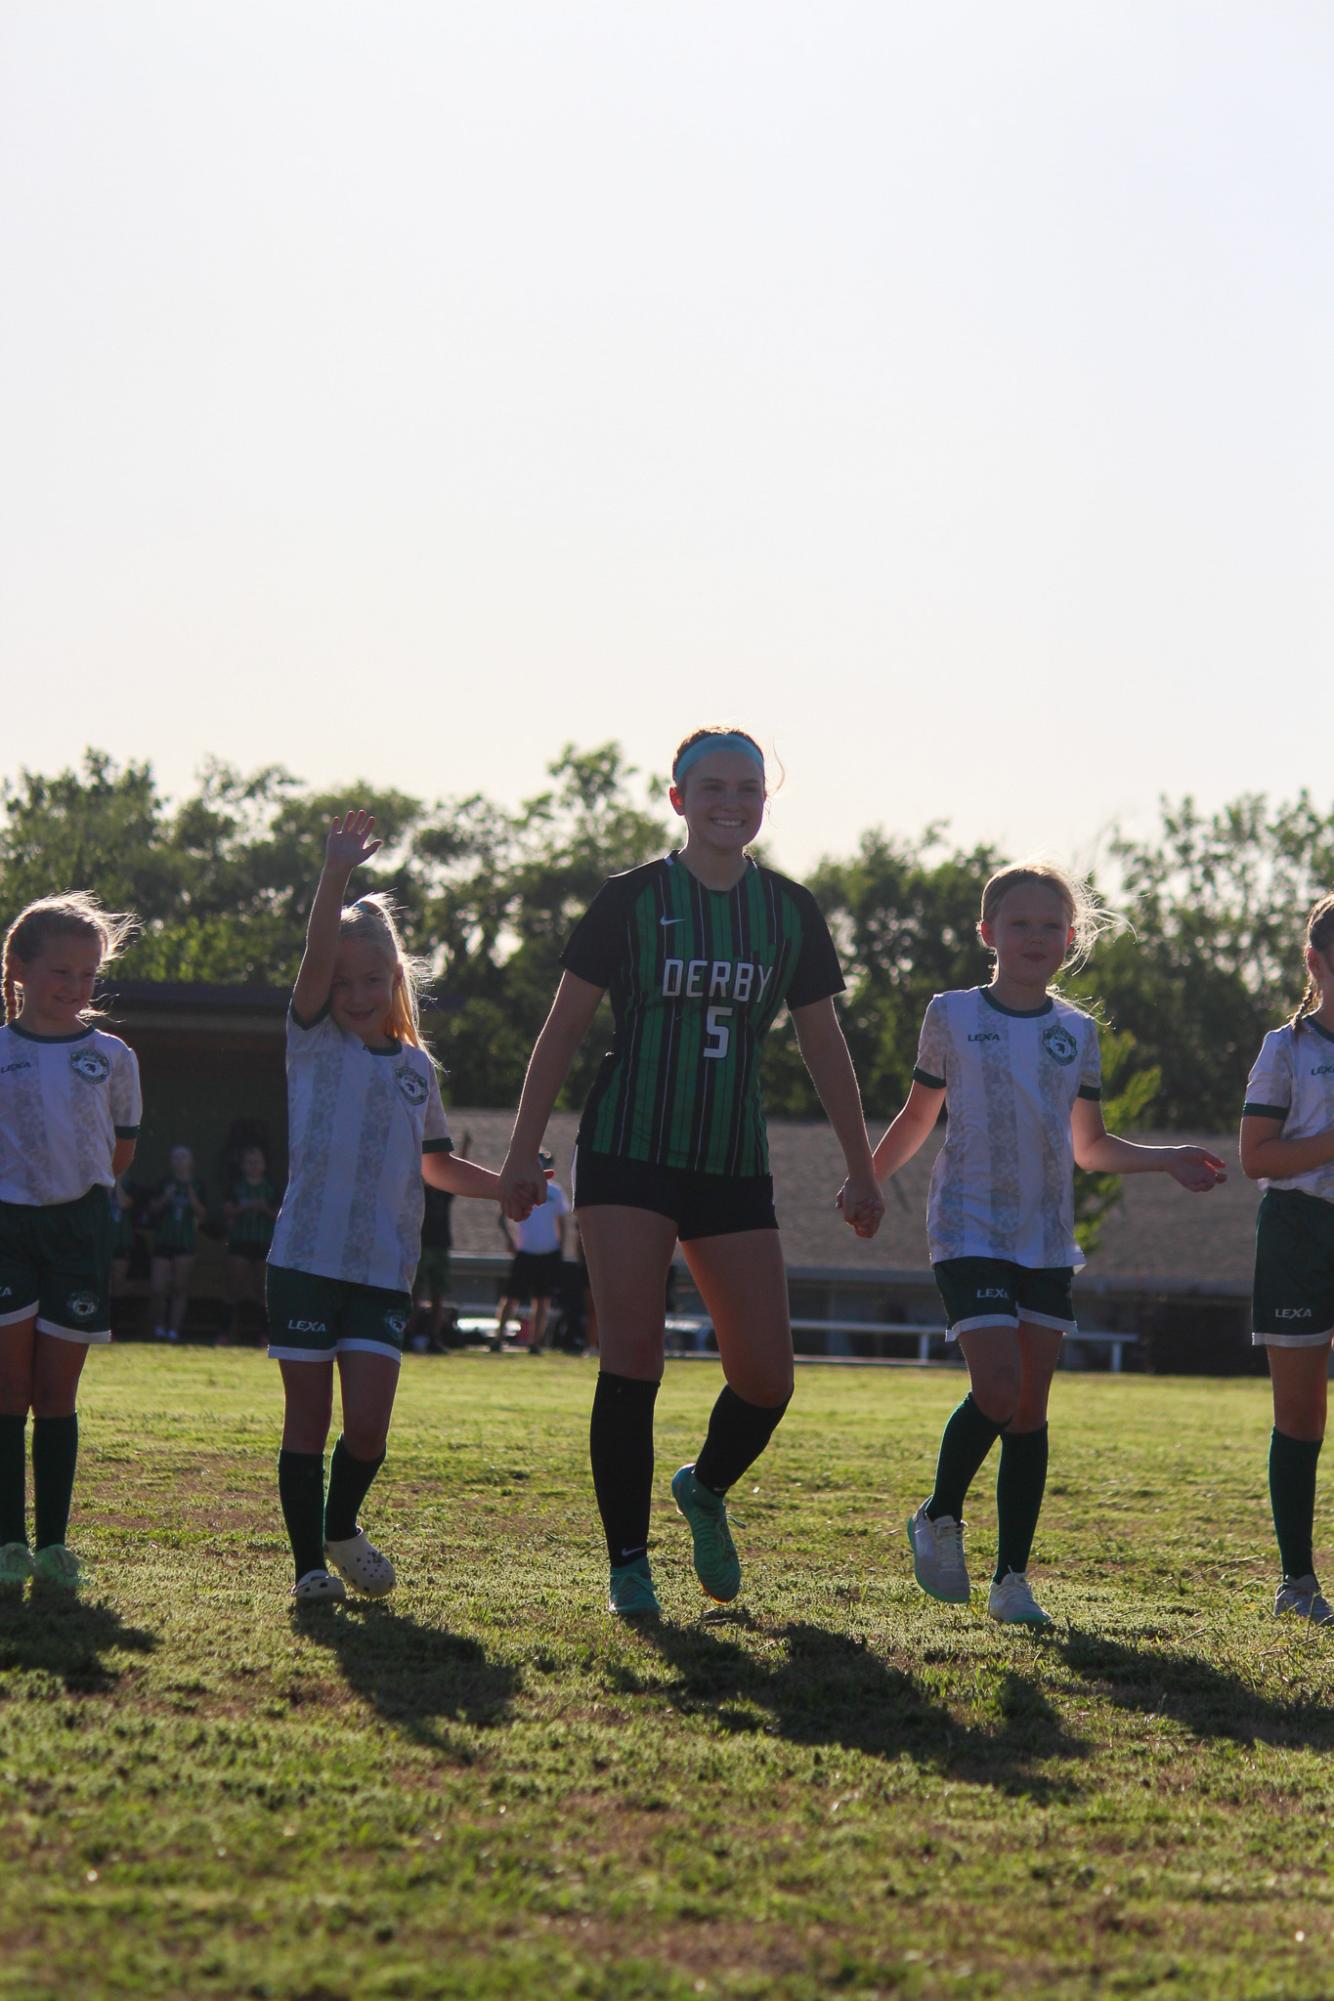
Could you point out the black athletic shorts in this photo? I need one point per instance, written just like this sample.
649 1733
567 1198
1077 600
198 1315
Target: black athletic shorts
533 1275
1294 1270
700 1205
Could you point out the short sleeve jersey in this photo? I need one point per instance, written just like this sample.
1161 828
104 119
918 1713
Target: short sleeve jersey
174 1233
64 1102
1003 1183
1293 1079
251 1226
538 1232
696 978
359 1121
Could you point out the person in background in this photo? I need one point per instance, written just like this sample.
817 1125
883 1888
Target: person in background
175 1211
433 1280
537 1246
249 1214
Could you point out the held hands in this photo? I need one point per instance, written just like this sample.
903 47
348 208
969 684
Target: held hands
523 1186
1195 1168
349 843
861 1203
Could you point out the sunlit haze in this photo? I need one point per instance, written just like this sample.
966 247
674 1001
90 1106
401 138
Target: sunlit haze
943 392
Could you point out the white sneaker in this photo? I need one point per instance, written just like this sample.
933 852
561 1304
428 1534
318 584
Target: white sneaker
1301 1596
1012 1602
318 1588
937 1556
366 1568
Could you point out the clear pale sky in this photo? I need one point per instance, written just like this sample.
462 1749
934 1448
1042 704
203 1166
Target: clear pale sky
944 391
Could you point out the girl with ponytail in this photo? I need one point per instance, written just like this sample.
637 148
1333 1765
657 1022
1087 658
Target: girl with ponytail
1287 1145
366 1128
69 1116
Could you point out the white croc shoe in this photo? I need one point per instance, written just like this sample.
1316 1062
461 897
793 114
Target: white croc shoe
318 1588
363 1566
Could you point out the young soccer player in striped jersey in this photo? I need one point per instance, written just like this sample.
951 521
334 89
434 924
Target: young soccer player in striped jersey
249 1214
1287 1145
1017 1070
699 951
69 1115
366 1127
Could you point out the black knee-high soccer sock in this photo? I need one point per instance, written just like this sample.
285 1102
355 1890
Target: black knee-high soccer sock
13 1472
55 1454
1292 1497
349 1483
301 1491
965 1442
738 1433
1021 1478
620 1446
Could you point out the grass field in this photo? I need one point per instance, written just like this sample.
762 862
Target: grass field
486 1787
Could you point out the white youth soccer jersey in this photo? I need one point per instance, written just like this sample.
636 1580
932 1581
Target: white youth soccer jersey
539 1232
1003 1183
1293 1079
359 1121
64 1102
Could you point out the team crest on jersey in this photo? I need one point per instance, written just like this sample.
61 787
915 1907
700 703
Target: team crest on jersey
91 1065
83 1305
413 1086
1060 1044
396 1322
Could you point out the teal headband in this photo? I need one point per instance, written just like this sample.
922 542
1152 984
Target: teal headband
705 746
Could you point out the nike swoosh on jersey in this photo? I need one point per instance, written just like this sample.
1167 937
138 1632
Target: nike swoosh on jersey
669 920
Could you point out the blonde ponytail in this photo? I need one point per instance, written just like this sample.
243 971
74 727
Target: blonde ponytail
1319 938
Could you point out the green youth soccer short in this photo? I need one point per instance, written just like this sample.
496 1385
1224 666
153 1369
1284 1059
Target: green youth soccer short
1293 1295
993 1292
312 1318
56 1261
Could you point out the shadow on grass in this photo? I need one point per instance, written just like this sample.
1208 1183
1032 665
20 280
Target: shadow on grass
1196 1693
416 1677
69 1637
831 1689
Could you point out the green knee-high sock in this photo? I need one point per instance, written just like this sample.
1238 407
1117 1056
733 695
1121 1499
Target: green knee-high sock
1020 1480
55 1454
301 1491
349 1484
13 1472
965 1442
1292 1464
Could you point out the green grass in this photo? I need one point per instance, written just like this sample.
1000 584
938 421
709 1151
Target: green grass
487 1788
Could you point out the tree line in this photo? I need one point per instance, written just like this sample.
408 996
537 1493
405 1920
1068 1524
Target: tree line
222 881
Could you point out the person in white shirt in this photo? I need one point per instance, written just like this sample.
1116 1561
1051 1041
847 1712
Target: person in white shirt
1016 1069
69 1115
538 1245
1287 1145
366 1126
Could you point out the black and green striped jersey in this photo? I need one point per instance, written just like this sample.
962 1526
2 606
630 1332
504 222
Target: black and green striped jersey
696 978
252 1226
174 1225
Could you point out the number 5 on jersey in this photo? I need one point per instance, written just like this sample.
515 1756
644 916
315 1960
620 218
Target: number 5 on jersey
720 1034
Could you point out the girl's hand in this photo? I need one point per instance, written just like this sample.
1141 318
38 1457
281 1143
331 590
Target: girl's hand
523 1186
349 843
1196 1169
862 1204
